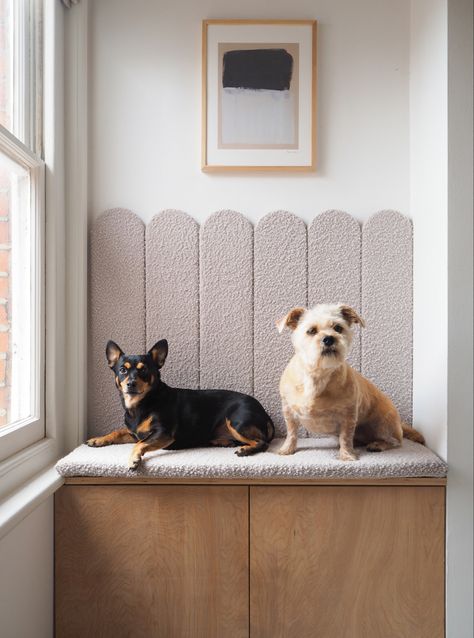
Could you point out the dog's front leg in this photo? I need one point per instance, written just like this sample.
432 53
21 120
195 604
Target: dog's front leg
289 446
346 441
113 438
157 442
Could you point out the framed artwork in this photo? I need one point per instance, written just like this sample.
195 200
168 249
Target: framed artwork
258 95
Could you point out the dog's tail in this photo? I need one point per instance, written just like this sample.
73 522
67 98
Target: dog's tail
412 434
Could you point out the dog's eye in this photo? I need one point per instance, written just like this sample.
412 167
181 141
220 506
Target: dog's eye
312 331
338 328
123 370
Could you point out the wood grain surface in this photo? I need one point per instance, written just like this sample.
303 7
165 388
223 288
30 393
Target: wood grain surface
151 561
154 480
347 562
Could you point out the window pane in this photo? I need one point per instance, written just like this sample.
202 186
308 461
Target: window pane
21 70
6 63
18 395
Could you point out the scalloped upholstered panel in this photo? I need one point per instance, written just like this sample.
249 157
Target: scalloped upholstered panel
116 308
172 293
215 291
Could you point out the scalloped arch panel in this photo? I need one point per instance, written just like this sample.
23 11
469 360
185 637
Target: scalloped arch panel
280 276
387 306
334 265
226 302
116 308
215 291
172 293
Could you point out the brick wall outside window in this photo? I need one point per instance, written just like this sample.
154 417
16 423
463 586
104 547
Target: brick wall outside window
5 248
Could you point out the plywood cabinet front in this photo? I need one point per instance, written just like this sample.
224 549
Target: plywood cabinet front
347 562
269 561
152 561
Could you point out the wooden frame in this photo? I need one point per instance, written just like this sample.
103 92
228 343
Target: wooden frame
207 163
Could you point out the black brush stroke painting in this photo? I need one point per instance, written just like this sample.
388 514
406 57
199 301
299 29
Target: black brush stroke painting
257 69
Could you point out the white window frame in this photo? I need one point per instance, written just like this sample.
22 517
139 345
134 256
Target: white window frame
34 458
64 44
26 71
24 432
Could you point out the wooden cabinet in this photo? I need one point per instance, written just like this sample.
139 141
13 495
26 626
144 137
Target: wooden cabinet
151 561
233 560
347 562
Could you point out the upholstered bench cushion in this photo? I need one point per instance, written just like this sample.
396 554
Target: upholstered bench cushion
315 458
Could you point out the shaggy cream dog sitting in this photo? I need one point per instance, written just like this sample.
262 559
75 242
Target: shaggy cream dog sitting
320 390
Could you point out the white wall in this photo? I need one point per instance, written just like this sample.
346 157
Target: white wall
384 69
26 583
460 320
428 203
382 135
145 110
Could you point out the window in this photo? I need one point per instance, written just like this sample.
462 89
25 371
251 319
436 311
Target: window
21 227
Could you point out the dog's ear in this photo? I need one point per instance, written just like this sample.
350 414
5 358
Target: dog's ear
159 352
113 352
291 319
350 315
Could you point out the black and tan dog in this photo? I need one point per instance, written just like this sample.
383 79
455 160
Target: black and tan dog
157 416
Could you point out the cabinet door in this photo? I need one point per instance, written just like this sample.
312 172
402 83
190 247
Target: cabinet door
347 562
151 561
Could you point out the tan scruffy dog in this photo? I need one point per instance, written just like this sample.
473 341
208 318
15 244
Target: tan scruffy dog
320 391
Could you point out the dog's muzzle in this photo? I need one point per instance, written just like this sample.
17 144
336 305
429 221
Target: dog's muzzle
328 346
132 389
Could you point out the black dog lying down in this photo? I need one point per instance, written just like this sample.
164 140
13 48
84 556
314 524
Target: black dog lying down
157 416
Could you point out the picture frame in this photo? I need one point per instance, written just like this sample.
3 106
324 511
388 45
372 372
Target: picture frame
258 95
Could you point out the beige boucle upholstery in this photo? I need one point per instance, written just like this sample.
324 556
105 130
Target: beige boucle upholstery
172 293
226 303
315 458
280 283
387 342
215 291
334 265
116 307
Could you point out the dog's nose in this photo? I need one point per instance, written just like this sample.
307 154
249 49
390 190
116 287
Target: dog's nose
131 385
328 341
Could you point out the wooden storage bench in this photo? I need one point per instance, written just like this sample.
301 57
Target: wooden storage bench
173 557
200 543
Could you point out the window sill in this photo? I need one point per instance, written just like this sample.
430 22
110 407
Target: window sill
22 502
23 466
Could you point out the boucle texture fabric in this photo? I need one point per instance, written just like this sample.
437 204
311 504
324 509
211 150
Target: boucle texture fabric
116 308
215 293
226 302
315 458
172 293
280 283
387 306
334 266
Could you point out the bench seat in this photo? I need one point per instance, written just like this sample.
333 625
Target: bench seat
314 459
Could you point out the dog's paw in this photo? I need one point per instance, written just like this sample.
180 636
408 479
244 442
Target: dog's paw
347 455
96 441
244 451
134 463
286 450
375 447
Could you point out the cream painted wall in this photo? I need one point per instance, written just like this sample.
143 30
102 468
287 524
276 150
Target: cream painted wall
26 582
382 128
145 110
429 206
